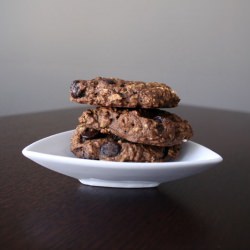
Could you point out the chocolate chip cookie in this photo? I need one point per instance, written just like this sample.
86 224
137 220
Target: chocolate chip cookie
89 143
146 126
115 92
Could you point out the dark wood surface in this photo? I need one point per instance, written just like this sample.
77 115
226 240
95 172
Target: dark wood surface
41 209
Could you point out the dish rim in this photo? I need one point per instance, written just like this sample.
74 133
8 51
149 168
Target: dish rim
29 153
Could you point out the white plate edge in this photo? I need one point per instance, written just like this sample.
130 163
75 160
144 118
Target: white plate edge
131 165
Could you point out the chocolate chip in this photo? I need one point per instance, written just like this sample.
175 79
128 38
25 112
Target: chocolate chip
162 118
165 151
90 133
158 118
75 90
110 149
109 80
160 128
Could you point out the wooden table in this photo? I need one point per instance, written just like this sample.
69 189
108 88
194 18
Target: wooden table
41 209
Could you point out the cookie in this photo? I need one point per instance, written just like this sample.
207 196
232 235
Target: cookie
89 143
115 92
146 126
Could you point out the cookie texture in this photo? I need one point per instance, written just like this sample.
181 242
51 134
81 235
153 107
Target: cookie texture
89 143
115 92
146 126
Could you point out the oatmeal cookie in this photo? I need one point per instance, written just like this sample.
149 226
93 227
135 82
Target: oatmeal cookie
115 92
147 126
89 143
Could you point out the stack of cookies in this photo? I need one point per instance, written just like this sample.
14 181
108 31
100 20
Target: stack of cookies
127 124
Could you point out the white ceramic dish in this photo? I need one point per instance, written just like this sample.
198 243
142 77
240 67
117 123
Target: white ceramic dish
53 153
